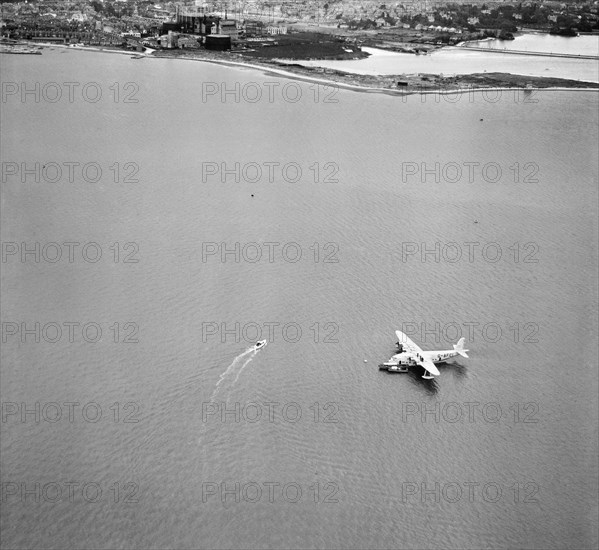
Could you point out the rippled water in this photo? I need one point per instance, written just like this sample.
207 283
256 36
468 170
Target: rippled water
357 453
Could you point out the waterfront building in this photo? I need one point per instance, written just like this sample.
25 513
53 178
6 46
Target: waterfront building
218 42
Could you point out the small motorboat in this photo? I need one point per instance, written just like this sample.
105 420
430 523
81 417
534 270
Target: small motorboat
397 368
391 366
260 344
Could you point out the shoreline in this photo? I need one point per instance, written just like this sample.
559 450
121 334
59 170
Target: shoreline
339 79
390 91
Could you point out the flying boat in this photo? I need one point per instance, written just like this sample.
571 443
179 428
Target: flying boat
411 355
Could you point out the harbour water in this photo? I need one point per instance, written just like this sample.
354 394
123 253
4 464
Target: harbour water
547 43
461 61
505 455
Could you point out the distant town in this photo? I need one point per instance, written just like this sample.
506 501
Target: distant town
333 29
276 37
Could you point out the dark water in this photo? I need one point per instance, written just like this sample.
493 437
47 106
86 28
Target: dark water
508 449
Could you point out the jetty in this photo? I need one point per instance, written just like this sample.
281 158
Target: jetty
525 52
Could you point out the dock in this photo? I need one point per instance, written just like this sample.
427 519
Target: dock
525 52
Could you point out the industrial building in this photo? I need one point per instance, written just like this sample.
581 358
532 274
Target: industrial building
196 22
218 42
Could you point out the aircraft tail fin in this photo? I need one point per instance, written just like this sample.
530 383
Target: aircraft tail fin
459 347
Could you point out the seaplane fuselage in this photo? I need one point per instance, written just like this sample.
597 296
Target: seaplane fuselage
436 357
409 355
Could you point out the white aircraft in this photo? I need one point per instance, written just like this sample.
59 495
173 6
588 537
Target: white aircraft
411 355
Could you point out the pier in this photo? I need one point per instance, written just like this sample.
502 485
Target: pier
525 52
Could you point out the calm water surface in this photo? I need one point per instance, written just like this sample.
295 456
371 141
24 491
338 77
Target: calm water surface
542 42
369 453
461 61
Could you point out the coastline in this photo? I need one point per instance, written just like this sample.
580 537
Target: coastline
447 90
417 85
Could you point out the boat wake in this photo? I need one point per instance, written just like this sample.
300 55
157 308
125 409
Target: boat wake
226 378
244 365
234 369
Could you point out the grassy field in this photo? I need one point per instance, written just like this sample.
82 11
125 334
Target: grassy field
306 45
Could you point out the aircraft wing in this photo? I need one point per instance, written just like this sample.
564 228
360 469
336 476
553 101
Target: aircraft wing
429 366
407 343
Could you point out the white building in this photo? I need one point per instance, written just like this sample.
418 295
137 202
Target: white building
276 29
